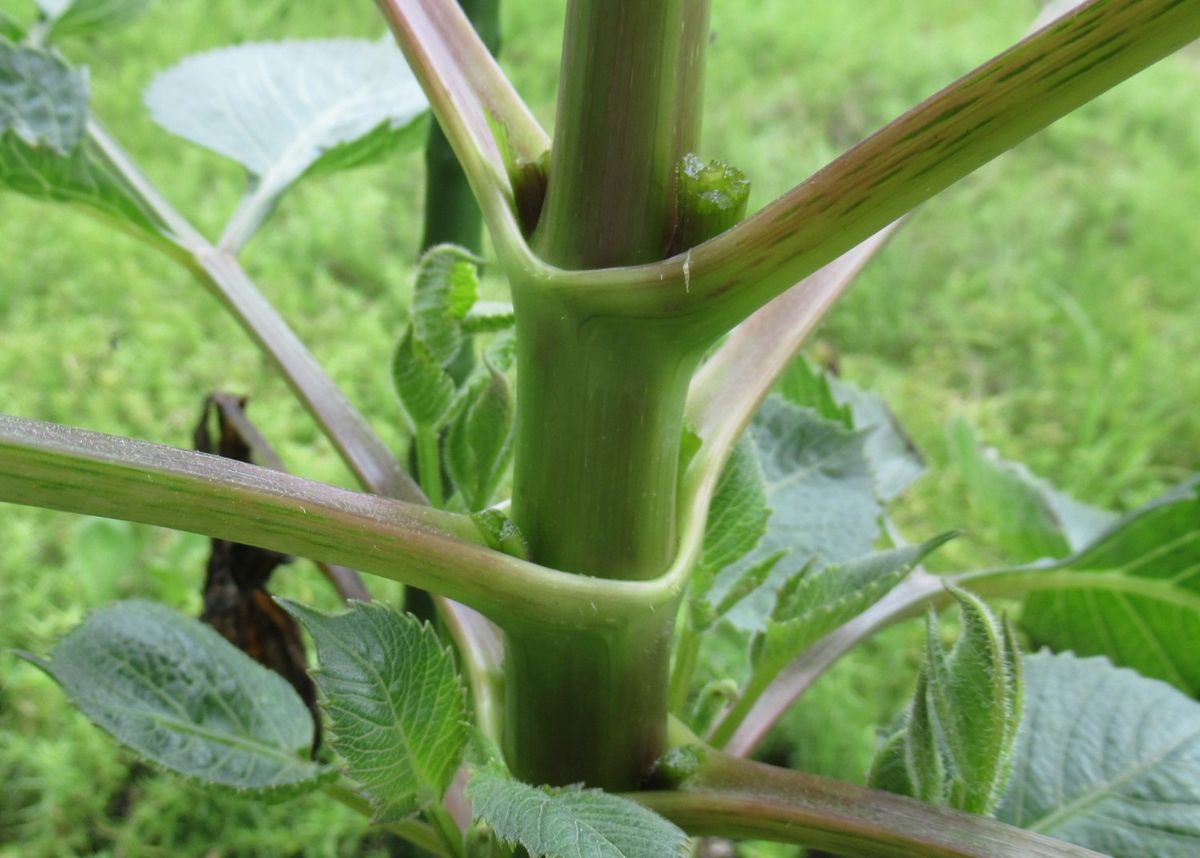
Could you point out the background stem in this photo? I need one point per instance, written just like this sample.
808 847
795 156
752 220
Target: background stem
730 797
451 214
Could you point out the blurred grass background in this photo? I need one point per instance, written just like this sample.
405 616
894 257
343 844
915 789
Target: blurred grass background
1050 299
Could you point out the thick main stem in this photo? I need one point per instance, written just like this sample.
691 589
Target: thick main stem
587 706
600 414
600 399
628 109
600 407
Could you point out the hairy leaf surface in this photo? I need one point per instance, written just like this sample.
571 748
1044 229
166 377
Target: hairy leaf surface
395 701
1133 594
426 391
956 745
895 461
571 822
817 601
1031 518
176 692
1107 759
288 109
44 152
822 499
737 517
480 443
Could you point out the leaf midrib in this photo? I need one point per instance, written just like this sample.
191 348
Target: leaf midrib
1105 789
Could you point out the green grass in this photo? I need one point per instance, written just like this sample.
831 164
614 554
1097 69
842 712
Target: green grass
1050 299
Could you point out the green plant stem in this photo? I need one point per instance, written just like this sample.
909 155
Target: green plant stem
448 831
628 109
451 214
220 272
470 96
55 467
377 470
687 654
725 796
417 833
587 706
429 465
600 417
600 404
970 122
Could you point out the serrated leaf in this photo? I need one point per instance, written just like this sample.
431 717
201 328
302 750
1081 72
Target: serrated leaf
819 599
823 504
72 17
1110 760
808 386
395 702
571 822
1031 519
176 692
425 390
895 461
480 442
1133 594
737 517
748 583
43 150
289 109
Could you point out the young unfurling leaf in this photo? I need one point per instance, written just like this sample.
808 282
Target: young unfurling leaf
712 197
480 443
956 746
424 387
818 600
501 533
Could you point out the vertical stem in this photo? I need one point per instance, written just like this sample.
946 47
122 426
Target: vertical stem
600 403
600 416
628 109
687 654
451 214
600 419
587 706
429 465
